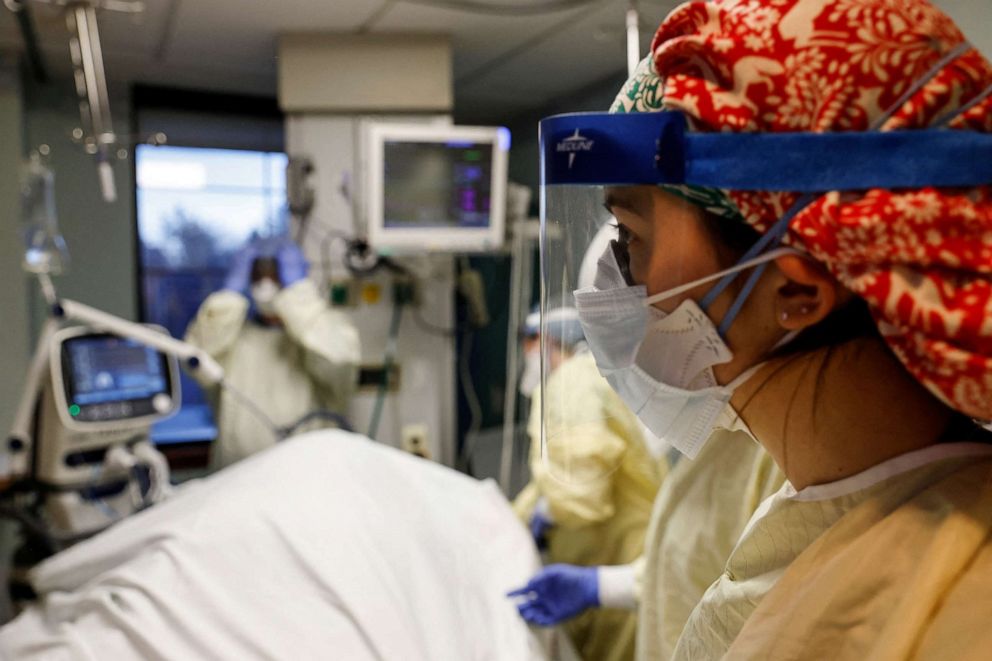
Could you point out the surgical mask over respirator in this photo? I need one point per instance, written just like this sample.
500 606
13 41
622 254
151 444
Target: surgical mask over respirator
661 364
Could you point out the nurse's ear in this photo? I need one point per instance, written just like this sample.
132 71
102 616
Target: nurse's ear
808 294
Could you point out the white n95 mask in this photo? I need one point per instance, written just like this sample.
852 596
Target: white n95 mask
661 364
264 293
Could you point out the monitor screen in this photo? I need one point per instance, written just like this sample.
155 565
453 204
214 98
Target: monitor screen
437 184
436 187
110 378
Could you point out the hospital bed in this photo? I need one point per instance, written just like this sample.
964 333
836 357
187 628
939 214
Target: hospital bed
327 546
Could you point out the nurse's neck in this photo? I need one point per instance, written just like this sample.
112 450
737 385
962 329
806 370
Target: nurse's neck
828 415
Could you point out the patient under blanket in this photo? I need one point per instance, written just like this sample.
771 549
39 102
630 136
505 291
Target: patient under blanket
326 546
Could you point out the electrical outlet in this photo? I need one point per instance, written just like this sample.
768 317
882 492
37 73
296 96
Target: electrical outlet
414 440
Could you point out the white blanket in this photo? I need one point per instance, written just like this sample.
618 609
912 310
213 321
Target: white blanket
328 546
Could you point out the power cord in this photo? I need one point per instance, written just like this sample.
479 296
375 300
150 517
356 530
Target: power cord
387 368
253 408
339 420
472 400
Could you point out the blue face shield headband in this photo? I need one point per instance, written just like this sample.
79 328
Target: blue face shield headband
604 149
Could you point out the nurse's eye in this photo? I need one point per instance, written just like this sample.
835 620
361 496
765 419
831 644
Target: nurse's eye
622 256
624 234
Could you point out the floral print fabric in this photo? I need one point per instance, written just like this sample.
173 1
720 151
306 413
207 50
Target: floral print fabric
921 258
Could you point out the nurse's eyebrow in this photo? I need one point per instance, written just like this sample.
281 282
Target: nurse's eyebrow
615 200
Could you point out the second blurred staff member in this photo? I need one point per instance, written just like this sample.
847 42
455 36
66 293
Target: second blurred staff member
589 523
280 344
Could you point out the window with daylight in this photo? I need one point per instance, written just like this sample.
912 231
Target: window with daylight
196 208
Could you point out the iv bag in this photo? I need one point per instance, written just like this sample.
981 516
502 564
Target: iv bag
44 248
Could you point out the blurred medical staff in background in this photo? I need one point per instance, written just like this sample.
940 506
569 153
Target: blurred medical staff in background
587 523
280 344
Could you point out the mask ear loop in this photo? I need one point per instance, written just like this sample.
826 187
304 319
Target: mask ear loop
769 241
773 237
738 303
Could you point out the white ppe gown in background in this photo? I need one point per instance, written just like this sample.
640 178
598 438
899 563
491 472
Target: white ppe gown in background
308 364
328 546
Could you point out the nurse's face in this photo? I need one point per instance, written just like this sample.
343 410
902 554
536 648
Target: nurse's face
669 245
666 238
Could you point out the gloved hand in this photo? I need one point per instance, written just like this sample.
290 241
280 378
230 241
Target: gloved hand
557 593
292 264
539 527
239 276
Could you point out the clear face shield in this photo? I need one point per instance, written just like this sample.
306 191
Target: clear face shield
644 372
584 425
645 288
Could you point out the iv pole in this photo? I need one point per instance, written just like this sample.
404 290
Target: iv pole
97 131
633 37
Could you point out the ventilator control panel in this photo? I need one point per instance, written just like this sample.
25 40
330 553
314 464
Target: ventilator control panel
103 378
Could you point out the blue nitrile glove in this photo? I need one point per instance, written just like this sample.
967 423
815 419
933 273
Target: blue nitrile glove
292 264
239 276
557 593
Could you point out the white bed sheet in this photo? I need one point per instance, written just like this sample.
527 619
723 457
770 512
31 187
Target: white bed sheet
328 546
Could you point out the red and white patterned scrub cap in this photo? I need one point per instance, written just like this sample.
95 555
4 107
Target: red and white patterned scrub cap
921 258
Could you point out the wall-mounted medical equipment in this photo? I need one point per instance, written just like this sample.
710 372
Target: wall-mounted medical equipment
435 187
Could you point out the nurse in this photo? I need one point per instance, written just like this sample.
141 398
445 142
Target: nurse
797 248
